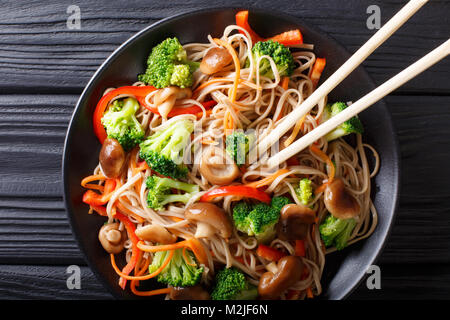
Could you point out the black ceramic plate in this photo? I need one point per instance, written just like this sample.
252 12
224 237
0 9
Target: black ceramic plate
344 270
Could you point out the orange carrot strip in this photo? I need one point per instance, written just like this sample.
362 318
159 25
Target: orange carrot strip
317 70
267 180
151 292
146 277
295 131
285 83
309 293
324 157
91 178
237 65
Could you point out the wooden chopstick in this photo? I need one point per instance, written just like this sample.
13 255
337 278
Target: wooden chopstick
369 99
351 64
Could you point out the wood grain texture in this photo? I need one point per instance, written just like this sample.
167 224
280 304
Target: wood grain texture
40 54
429 282
44 67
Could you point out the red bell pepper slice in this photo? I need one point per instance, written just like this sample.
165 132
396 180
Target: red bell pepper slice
138 92
242 21
244 191
287 38
300 250
269 253
93 198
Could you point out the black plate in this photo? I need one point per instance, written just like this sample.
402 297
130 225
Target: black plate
344 270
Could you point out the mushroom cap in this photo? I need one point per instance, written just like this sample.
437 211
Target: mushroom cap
295 221
217 167
212 215
115 246
290 270
339 202
155 233
112 158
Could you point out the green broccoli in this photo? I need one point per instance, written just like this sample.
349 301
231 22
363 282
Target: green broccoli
238 145
231 284
279 202
163 151
279 53
304 191
121 124
259 219
352 125
178 272
335 231
160 191
168 65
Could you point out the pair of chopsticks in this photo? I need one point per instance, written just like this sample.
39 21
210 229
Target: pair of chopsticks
351 64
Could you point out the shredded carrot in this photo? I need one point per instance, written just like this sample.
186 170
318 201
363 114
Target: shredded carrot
208 141
324 157
295 131
200 114
151 292
146 277
191 243
97 177
186 258
128 212
134 283
228 123
91 178
237 65
267 180
285 83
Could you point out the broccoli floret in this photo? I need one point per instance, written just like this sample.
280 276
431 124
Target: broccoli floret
279 202
168 65
279 53
304 191
238 145
352 125
163 151
231 284
121 124
160 191
240 213
178 272
259 219
335 231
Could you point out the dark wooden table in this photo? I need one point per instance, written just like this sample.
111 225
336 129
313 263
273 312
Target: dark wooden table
44 67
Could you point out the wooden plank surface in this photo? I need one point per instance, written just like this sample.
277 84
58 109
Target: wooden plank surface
45 66
41 54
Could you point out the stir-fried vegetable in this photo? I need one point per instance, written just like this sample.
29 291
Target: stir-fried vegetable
352 125
231 284
160 191
121 124
182 270
279 53
168 65
163 151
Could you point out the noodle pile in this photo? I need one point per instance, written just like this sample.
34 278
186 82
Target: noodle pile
259 104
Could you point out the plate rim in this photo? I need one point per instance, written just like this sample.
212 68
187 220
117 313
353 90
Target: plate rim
274 12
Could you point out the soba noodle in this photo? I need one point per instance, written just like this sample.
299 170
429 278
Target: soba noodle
260 106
